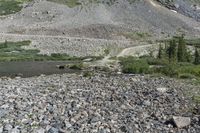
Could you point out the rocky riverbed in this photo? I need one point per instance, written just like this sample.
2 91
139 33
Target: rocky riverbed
102 103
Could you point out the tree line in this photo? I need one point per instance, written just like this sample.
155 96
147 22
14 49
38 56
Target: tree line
175 50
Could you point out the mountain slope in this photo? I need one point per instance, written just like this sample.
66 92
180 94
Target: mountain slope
98 20
190 8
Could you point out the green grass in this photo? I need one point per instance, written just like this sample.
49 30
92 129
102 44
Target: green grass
74 3
11 6
13 51
196 99
136 35
133 65
160 67
69 3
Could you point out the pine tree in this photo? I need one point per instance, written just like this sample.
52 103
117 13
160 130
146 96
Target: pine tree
160 52
181 54
5 44
196 57
172 51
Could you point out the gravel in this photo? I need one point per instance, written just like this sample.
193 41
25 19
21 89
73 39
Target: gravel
103 103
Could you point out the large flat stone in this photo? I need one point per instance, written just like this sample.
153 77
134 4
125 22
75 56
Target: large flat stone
181 121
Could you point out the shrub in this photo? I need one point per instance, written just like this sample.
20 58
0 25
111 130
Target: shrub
186 76
191 69
169 70
136 66
153 61
3 45
87 74
196 99
197 57
78 66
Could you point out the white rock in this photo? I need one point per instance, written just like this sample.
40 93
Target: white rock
41 130
1 129
15 130
162 89
181 121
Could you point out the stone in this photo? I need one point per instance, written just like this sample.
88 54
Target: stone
41 130
162 89
67 124
15 130
181 122
53 130
87 60
146 103
7 127
60 66
3 112
1 129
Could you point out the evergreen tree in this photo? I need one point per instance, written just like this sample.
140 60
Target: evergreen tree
181 54
6 44
172 51
160 52
196 57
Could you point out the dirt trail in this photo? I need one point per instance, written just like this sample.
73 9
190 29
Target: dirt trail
137 50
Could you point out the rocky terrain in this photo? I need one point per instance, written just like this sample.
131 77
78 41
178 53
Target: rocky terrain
190 8
100 104
97 20
74 46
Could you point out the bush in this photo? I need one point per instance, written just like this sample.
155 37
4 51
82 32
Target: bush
186 76
78 66
136 66
3 45
87 74
169 70
153 61
192 69
196 99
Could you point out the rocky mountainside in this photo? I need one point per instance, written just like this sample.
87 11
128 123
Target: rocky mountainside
104 19
190 8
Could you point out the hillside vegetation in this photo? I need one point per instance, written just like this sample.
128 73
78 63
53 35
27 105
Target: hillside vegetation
173 59
11 6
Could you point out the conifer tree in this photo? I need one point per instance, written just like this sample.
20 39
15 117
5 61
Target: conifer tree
172 51
160 52
181 53
196 57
